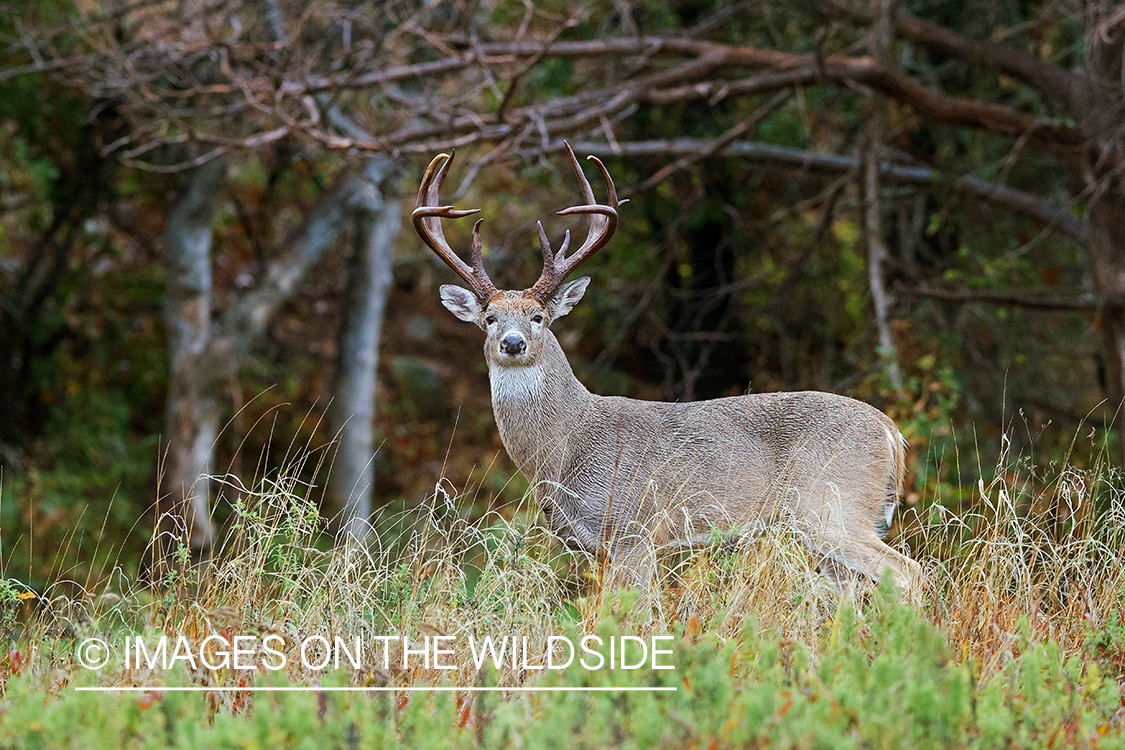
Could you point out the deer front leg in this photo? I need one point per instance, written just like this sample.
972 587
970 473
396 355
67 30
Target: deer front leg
632 566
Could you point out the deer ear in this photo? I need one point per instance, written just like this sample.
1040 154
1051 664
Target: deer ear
567 297
461 302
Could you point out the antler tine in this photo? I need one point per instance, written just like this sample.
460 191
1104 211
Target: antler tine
603 218
545 246
565 246
551 258
427 216
478 263
603 223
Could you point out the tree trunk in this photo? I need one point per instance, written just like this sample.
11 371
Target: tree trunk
1101 169
879 44
1107 253
351 417
191 417
205 356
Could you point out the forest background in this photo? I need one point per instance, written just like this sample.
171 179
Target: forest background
207 266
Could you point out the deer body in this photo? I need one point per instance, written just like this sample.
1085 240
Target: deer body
621 476
617 475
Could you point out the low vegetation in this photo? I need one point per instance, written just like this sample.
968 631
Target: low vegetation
1020 641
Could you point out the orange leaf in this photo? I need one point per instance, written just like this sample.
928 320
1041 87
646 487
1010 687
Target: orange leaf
788 704
465 713
149 698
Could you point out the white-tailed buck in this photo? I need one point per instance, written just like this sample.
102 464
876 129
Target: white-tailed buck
624 477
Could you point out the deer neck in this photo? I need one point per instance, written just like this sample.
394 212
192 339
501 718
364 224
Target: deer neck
537 409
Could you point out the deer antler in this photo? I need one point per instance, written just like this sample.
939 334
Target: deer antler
603 223
427 216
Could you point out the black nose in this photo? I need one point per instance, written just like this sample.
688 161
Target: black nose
513 344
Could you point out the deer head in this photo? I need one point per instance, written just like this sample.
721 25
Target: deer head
514 321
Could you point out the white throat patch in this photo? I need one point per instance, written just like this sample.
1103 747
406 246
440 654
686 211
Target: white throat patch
513 383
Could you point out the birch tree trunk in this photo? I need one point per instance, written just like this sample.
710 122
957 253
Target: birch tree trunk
205 356
879 43
191 416
352 415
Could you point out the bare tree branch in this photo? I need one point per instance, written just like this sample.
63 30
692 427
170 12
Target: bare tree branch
1051 80
1030 204
245 321
199 86
786 70
1070 301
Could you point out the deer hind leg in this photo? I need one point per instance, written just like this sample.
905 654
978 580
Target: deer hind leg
907 573
844 559
846 546
839 574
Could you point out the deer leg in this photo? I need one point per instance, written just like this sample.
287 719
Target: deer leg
838 529
842 559
839 575
633 565
907 573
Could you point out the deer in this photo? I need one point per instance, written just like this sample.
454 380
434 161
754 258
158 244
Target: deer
621 477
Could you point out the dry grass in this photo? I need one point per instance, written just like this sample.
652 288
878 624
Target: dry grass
1050 552
1027 555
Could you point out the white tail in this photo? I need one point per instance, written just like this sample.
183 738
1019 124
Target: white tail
623 476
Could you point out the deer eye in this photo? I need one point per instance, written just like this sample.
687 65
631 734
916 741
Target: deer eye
536 318
490 319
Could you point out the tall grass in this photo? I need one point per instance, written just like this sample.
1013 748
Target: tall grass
1045 545
1027 558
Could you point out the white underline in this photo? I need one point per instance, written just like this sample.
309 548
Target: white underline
437 689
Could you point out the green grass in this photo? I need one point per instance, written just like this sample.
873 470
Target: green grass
885 678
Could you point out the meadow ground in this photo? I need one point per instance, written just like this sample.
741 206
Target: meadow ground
1020 640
